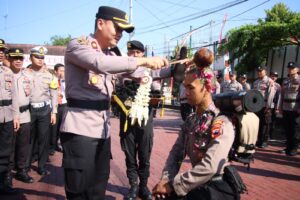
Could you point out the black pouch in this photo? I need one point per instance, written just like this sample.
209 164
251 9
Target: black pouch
233 178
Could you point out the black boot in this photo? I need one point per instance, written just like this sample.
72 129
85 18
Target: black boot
6 185
23 176
144 193
133 192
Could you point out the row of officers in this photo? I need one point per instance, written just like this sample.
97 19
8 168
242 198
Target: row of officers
279 99
29 103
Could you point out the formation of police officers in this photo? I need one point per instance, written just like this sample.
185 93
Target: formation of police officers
29 103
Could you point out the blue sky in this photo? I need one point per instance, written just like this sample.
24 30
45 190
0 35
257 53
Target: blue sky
35 21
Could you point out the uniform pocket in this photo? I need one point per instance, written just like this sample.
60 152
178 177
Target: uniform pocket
7 82
94 81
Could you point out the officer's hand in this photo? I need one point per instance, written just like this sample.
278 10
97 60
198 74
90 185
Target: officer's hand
53 118
16 122
153 62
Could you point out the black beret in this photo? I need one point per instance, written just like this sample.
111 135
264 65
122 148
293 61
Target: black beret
15 52
134 44
117 16
2 44
261 68
293 65
274 74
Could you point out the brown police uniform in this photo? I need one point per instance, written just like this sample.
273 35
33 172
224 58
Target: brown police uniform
9 110
24 87
232 86
267 88
246 86
290 105
206 140
43 102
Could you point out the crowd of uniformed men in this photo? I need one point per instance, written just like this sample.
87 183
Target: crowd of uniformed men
32 102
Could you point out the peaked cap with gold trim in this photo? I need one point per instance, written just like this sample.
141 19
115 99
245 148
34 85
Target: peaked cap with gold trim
15 52
119 17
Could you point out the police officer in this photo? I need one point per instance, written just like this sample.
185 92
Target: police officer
137 141
43 107
243 80
9 122
233 85
24 86
290 106
275 105
3 49
59 70
207 148
89 73
266 87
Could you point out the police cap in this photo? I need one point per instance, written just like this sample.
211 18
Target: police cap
135 45
118 16
244 76
293 65
2 44
261 68
15 52
39 52
274 74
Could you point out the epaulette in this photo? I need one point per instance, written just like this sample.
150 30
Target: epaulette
83 40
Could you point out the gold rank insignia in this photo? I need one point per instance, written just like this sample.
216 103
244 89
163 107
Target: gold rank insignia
17 51
94 45
41 50
94 80
126 17
82 40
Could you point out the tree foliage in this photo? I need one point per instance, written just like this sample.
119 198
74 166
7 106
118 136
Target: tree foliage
57 40
251 43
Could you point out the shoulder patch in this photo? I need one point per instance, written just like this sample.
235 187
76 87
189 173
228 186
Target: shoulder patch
216 128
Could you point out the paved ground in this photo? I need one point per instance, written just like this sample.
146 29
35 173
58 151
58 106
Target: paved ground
272 176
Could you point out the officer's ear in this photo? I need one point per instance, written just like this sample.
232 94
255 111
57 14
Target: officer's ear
99 24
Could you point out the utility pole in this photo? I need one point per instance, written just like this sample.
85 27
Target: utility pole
191 29
211 35
130 17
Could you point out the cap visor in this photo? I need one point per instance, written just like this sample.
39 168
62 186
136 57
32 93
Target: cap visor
126 27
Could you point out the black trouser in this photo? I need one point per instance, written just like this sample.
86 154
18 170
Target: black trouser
185 110
215 190
291 128
86 163
54 130
39 137
6 139
137 142
20 147
264 127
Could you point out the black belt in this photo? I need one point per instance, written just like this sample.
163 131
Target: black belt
88 104
291 100
24 108
5 102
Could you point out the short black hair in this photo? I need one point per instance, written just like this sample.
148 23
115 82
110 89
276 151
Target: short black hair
58 65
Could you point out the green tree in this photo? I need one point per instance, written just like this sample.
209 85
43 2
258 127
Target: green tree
57 40
251 43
